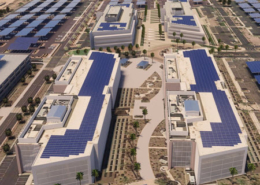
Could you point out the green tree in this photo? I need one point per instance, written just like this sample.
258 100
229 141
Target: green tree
6 148
132 138
7 9
22 79
133 53
34 66
145 112
115 48
126 54
159 10
136 126
31 109
29 72
37 100
251 168
229 2
79 176
203 39
100 49
125 180
30 100
144 52
233 171
177 41
210 40
183 42
181 35
145 10
77 51
122 47
54 76
19 117
221 47
24 108
130 47
160 30
85 51
137 167
152 55
219 50
8 132
224 2
137 46
219 41
5 100
95 174
174 34
236 47
193 44
108 49
47 78
226 47
118 51
133 153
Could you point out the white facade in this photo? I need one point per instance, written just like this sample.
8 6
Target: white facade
190 32
115 15
209 163
60 169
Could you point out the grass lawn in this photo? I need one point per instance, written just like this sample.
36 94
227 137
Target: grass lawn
81 52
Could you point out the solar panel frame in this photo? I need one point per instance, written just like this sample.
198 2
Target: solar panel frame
257 77
239 1
252 1
43 32
24 32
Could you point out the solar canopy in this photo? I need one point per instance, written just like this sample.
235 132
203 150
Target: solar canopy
17 23
254 67
58 4
257 20
43 17
43 32
74 141
257 5
32 3
66 10
43 5
52 24
257 77
186 20
223 133
244 5
72 5
11 16
252 1
249 10
6 31
240 1
3 22
23 9
254 15
59 17
143 64
35 10
34 24
24 32
51 10
28 16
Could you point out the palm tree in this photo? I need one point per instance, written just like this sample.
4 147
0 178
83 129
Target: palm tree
233 171
79 176
193 44
183 42
122 47
100 49
251 168
47 78
133 152
6 148
95 174
137 167
130 47
137 46
181 35
24 108
226 47
236 47
203 39
144 52
177 41
54 76
132 138
19 117
5 100
145 112
136 125
37 100
8 132
30 100
174 34
152 55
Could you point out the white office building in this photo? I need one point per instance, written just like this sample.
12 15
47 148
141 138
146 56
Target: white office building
177 16
116 26
205 132
68 131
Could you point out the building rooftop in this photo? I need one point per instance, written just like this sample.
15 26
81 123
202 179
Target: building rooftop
191 105
8 63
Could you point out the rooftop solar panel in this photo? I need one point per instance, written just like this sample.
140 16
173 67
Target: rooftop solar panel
3 22
66 10
249 10
11 16
257 77
111 26
186 20
23 9
254 66
43 32
244 5
51 10
6 31
59 17
17 23
35 10
43 17
74 142
34 24
52 24
24 32
226 132
28 16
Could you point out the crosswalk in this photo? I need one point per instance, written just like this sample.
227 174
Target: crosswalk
154 16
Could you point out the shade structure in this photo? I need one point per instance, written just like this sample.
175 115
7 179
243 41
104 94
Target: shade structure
24 32
6 31
22 43
43 32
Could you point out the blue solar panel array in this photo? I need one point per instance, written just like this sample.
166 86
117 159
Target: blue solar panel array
186 20
183 0
22 43
244 5
52 24
75 141
111 26
254 66
257 77
225 133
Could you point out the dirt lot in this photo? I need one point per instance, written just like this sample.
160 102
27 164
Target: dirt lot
155 155
157 131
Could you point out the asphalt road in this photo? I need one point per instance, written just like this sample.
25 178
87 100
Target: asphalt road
8 123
